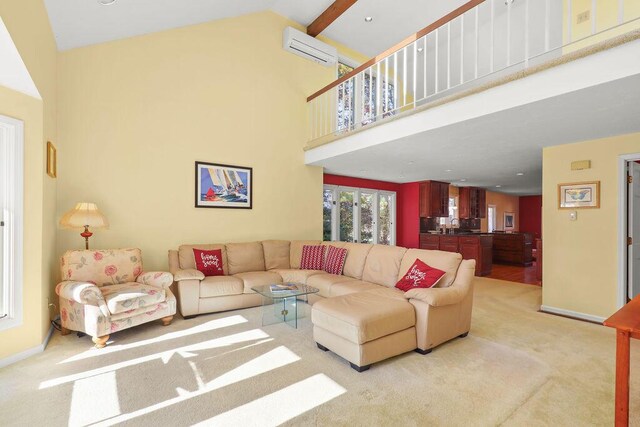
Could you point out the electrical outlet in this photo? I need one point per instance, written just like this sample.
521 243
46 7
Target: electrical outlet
573 216
584 16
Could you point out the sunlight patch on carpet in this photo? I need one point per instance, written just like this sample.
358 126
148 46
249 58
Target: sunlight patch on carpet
186 352
276 358
282 405
94 399
205 327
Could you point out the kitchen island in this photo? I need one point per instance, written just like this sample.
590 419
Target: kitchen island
471 245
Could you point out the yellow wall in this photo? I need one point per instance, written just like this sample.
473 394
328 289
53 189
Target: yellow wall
606 17
135 114
29 27
504 203
581 257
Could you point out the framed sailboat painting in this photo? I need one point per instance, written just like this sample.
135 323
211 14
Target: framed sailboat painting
223 186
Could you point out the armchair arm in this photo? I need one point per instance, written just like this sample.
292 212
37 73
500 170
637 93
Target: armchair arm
189 274
159 279
84 293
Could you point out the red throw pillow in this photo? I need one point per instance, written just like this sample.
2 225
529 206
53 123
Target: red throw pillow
420 275
335 260
209 262
312 257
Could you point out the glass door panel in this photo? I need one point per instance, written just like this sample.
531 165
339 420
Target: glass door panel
327 214
384 234
367 212
346 216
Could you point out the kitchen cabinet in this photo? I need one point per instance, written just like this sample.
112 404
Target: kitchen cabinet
477 247
434 199
513 248
472 203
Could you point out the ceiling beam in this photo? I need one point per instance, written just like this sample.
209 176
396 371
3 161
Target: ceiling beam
327 17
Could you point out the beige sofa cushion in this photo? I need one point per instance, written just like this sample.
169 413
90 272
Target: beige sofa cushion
296 276
363 316
217 286
383 264
276 254
188 261
356 258
351 287
258 278
324 282
243 257
296 251
445 261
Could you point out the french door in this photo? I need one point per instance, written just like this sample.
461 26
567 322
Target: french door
359 215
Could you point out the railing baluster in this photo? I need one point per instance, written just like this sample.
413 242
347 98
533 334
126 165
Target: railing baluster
492 34
462 49
378 91
341 106
424 61
509 32
547 25
371 106
396 95
526 33
415 70
437 77
448 54
620 12
569 20
594 16
350 104
477 29
385 105
404 78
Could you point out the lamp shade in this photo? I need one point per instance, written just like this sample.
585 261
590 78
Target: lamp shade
84 214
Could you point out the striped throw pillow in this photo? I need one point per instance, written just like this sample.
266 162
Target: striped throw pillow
335 260
312 257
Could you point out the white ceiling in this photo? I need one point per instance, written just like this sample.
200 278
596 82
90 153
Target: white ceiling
78 23
13 72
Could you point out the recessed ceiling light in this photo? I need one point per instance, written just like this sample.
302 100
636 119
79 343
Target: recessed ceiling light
463 179
520 173
420 49
106 2
498 186
447 170
410 163
368 19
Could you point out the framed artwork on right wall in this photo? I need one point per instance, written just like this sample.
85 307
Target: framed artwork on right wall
509 221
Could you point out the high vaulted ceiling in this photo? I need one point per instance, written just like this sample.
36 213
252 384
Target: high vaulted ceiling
79 23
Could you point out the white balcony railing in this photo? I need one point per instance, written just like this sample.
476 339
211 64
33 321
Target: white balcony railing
477 43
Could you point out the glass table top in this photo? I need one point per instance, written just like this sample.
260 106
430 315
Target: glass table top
284 290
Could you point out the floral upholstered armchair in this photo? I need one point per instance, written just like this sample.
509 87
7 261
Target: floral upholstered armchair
106 291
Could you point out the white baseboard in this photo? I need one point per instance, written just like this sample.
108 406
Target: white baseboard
570 313
27 353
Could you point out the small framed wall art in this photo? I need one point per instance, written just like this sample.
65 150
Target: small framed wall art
579 195
223 186
509 221
52 160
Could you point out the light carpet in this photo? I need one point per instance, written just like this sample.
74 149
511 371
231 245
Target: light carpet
516 367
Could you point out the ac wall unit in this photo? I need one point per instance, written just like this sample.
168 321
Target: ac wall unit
308 47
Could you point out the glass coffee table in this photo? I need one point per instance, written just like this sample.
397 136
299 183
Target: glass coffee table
281 304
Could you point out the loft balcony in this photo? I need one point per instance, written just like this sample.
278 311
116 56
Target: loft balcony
483 44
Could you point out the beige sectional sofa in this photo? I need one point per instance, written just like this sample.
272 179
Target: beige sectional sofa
359 314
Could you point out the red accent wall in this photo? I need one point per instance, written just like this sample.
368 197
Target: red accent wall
531 215
347 181
409 234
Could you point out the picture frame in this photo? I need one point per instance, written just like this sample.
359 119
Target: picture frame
52 160
223 186
509 221
579 195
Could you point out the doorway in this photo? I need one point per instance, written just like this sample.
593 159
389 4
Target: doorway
491 218
632 212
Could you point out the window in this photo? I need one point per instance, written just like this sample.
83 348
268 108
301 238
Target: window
359 215
491 218
11 199
453 218
354 90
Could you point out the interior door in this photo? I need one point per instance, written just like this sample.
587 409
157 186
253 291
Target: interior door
633 258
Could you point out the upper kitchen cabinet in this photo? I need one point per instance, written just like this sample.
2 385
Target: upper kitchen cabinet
472 203
434 199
